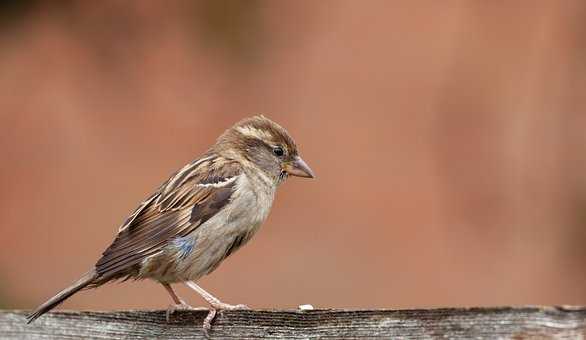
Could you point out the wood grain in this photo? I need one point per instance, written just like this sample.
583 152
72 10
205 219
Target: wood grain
448 323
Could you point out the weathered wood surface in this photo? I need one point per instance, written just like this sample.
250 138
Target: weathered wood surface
450 323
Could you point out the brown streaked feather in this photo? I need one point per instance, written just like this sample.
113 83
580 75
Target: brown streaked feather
188 199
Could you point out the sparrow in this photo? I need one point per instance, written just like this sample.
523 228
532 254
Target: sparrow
201 215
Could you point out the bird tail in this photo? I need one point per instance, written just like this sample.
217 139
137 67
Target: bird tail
83 282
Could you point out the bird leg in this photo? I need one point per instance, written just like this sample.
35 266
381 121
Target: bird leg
215 305
178 303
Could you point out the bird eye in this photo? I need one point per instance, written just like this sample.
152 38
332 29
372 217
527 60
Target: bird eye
278 151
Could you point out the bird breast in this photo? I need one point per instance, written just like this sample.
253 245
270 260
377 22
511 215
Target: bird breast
199 253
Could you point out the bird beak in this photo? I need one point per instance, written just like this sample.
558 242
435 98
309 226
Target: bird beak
298 168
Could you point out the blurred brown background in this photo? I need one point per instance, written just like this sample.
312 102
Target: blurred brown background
448 139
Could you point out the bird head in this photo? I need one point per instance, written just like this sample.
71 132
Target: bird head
263 144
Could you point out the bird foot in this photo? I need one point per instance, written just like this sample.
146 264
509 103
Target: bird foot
224 306
180 306
214 308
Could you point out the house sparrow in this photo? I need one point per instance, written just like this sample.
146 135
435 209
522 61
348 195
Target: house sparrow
201 215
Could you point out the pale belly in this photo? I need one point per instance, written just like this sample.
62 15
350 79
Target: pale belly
195 255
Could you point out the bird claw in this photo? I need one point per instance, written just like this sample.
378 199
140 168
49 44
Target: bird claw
207 322
219 306
225 306
175 307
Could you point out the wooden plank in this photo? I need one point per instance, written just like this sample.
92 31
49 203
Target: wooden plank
449 323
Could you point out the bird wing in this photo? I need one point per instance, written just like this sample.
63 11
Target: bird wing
185 201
